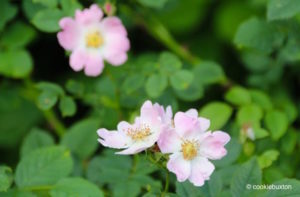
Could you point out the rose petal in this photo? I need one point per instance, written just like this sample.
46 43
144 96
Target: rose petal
69 37
94 66
113 139
89 15
169 141
201 170
78 60
212 146
178 165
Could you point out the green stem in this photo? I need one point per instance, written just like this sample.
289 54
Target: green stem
166 184
135 162
32 94
38 188
160 32
57 125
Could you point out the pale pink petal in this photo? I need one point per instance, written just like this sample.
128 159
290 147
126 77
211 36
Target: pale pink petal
123 126
149 114
192 113
169 112
94 65
204 123
212 146
113 25
89 15
169 141
69 37
135 148
78 59
178 165
201 170
185 125
115 44
113 139
117 59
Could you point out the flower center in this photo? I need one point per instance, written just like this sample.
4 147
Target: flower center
139 133
189 149
94 40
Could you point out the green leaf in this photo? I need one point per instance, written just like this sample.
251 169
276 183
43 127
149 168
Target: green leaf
50 87
20 116
187 189
155 85
208 73
267 158
15 64
272 174
47 100
69 6
238 96
277 123
7 12
69 187
48 3
259 132
81 138
118 173
13 39
169 63
47 19
153 4
291 188
75 87
131 188
218 113
67 106
259 35
17 193
44 166
288 141
182 79
214 186
249 114
6 178
261 99
192 93
109 168
133 83
30 9
36 139
248 173
282 9
256 61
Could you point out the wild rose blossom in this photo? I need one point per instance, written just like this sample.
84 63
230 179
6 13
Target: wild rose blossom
191 146
140 135
185 138
93 39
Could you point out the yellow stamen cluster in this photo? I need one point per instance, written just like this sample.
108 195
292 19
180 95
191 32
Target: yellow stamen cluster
94 40
139 133
189 149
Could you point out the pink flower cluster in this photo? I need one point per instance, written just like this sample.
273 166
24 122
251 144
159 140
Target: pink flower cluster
93 39
185 138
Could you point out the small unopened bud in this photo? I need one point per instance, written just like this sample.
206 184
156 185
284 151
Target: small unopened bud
109 9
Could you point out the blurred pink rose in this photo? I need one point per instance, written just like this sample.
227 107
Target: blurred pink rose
93 39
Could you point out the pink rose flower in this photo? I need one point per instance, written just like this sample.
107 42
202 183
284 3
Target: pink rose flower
93 39
141 135
191 146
